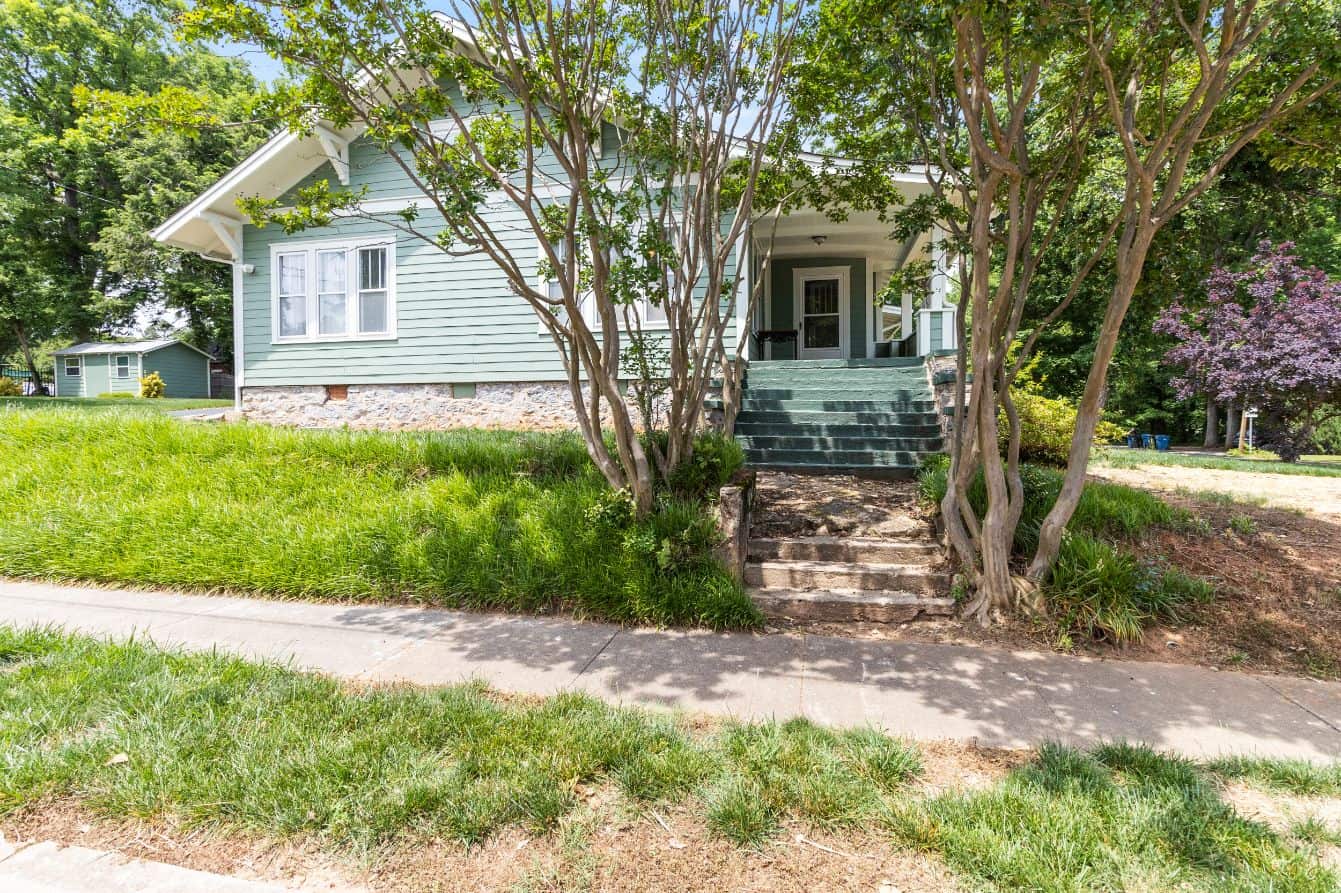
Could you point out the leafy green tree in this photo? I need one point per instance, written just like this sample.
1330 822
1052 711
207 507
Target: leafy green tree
81 194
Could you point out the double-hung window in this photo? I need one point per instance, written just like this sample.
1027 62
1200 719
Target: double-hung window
121 365
334 291
552 286
74 367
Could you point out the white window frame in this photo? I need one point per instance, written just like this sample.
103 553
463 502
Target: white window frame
78 367
586 304
116 368
353 311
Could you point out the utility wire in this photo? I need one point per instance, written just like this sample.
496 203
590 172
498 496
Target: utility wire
40 182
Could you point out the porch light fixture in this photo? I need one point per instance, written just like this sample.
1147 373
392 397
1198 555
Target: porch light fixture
819 240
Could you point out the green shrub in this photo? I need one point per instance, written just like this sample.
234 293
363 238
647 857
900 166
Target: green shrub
716 458
1047 425
1096 589
1102 592
152 386
9 387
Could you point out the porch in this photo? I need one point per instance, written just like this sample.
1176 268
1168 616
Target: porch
821 284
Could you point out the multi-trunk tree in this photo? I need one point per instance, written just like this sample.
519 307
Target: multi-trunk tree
1267 336
627 140
1017 107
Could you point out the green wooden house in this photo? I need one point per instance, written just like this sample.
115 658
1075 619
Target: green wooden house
94 368
359 323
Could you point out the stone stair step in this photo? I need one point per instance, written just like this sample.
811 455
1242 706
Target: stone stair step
780 574
879 607
849 549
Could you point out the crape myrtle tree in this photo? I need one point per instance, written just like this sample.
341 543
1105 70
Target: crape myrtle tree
1016 106
622 143
1267 336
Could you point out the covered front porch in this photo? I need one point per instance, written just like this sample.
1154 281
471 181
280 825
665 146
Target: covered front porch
820 286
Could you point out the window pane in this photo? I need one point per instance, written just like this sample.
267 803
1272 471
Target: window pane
123 367
372 269
293 316
372 312
72 367
333 314
331 272
651 313
293 274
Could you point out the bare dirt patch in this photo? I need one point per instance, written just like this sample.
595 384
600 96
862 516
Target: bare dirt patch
1320 496
791 505
605 848
1284 813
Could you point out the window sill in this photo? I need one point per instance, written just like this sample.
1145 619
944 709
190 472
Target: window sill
334 339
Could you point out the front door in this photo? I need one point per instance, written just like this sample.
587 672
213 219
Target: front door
822 305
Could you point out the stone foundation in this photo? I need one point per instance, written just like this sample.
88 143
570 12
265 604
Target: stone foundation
942 373
519 405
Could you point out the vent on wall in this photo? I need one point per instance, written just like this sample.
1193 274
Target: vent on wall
337 392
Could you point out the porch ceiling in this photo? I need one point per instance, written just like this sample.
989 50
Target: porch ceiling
862 234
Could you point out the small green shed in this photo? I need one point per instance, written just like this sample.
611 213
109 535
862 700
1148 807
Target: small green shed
93 368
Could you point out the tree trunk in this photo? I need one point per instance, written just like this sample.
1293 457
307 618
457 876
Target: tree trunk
1243 429
39 387
1232 414
1212 437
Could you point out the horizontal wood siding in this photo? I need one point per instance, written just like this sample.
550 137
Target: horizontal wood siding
68 386
128 385
457 319
185 372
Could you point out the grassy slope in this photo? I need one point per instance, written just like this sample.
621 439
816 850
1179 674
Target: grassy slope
221 743
161 404
1315 466
491 519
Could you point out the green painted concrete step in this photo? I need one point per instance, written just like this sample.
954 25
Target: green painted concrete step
838 417
844 393
893 472
798 440
749 427
826 378
750 403
887 362
836 457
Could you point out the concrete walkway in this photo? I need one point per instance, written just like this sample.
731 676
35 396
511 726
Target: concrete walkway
919 690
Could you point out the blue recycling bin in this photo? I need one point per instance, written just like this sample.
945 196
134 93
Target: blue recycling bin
1148 441
1162 442
1133 441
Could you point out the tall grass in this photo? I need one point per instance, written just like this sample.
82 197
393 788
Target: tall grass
1098 587
472 518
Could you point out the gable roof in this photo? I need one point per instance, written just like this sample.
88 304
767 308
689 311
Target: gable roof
91 348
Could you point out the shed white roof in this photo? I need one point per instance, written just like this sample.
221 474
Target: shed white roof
106 347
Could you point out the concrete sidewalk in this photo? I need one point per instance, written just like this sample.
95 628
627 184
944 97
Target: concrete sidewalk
919 690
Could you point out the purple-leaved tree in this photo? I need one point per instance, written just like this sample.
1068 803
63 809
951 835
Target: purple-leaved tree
1268 336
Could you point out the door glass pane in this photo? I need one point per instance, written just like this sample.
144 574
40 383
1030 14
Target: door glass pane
821 296
822 331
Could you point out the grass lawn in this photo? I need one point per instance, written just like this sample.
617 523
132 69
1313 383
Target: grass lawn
1317 466
207 741
160 404
486 519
